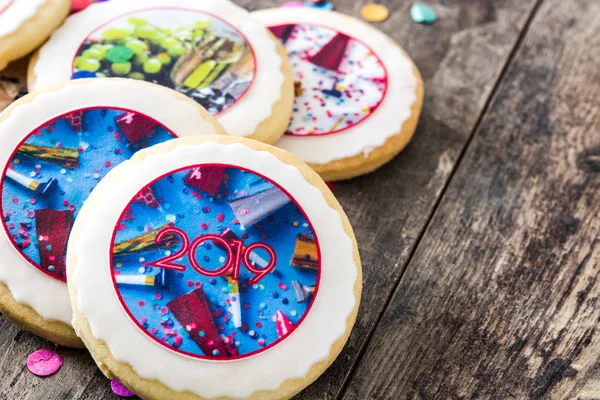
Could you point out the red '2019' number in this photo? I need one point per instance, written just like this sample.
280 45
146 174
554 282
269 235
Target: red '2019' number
236 253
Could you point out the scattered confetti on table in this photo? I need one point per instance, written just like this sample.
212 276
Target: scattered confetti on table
119 389
374 12
292 4
44 362
422 14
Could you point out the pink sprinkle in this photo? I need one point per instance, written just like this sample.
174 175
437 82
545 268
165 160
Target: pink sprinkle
164 311
204 226
283 286
261 342
66 203
141 303
44 362
119 389
158 296
32 201
220 217
107 164
190 283
243 211
15 200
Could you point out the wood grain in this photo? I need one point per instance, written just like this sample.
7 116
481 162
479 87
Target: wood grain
461 58
501 299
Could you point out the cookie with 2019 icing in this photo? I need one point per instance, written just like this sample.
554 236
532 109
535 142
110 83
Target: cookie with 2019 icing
25 24
55 146
245 283
212 50
358 95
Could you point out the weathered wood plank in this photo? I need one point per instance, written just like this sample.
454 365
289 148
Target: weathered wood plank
461 58
501 297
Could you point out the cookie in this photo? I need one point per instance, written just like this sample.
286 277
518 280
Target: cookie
55 146
244 284
210 50
358 95
25 24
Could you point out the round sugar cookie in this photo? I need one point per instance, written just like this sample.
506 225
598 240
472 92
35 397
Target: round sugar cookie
212 50
358 95
25 24
244 284
55 146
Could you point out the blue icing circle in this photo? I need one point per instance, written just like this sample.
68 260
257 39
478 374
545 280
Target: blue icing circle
190 300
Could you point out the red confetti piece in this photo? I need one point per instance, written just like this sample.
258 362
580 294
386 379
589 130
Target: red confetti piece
119 389
44 362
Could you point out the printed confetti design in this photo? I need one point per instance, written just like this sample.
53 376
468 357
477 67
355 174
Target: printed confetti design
339 81
221 311
44 362
54 170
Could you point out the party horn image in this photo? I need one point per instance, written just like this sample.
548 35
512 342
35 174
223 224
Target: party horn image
145 242
41 188
156 280
206 60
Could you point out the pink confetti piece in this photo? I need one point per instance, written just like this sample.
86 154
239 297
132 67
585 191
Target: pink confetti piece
119 389
292 4
44 362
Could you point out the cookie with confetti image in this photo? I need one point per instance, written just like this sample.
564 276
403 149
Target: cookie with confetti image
26 24
212 51
55 146
245 269
357 95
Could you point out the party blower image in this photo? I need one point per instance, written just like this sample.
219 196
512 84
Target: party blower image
195 53
232 273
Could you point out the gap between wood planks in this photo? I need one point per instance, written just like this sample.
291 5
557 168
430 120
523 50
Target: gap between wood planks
488 103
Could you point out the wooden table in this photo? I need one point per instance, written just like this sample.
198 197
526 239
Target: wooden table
480 242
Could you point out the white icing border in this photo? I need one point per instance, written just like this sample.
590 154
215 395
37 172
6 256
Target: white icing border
393 111
242 119
17 13
310 343
46 295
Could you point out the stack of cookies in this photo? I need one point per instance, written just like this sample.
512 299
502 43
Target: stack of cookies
162 192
